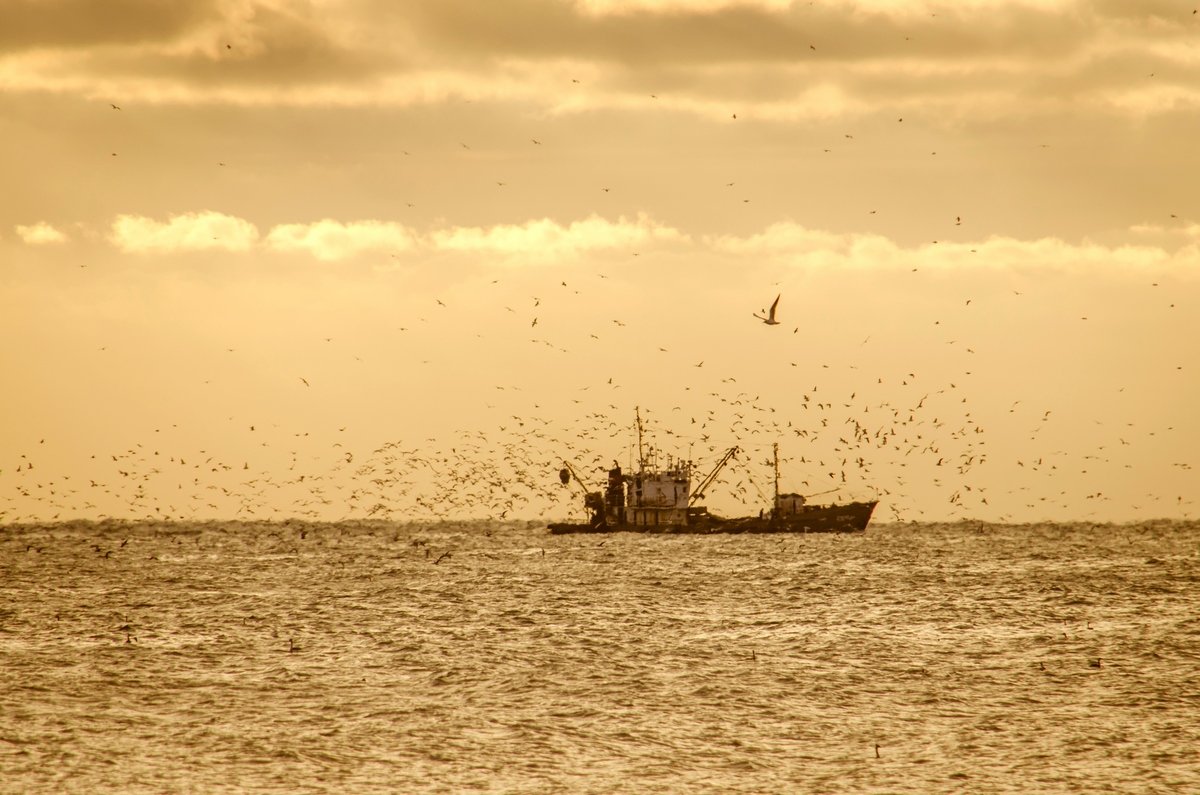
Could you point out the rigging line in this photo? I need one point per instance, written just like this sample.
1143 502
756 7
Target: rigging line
761 496
726 442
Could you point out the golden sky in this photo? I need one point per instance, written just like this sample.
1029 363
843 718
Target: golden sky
384 245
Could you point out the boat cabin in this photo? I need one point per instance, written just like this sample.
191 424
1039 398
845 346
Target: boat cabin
649 498
788 504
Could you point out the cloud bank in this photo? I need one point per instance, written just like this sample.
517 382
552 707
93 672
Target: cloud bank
329 240
332 240
784 243
40 234
797 245
199 231
547 239
873 56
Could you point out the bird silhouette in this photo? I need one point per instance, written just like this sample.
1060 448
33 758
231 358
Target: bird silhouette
769 318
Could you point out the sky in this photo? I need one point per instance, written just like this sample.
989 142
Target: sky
399 260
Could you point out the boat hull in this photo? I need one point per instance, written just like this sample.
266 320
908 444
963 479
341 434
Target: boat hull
851 517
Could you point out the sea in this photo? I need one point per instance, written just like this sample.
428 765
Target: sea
284 657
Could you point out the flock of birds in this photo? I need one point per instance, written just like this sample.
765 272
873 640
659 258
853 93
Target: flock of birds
898 439
893 440
883 442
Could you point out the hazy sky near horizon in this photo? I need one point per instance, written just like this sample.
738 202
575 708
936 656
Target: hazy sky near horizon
273 233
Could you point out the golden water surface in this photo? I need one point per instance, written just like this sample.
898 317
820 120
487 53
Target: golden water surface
497 658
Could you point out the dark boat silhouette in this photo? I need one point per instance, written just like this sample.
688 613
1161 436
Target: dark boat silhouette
660 500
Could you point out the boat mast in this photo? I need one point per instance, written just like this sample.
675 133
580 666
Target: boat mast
641 456
775 449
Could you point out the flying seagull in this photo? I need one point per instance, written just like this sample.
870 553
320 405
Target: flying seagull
770 318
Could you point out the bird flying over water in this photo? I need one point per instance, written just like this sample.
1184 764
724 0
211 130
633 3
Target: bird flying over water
769 319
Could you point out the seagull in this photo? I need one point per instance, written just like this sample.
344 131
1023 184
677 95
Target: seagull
770 318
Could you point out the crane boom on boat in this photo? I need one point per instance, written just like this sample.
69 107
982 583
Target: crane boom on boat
698 494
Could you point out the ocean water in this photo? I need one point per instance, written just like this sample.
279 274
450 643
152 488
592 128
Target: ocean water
496 658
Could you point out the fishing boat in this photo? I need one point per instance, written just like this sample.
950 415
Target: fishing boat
660 499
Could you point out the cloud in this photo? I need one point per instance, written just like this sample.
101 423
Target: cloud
188 232
894 7
618 7
1188 230
37 24
795 245
333 240
544 238
770 59
210 51
1175 249
40 234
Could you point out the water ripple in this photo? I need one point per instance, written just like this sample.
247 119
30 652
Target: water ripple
362 657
